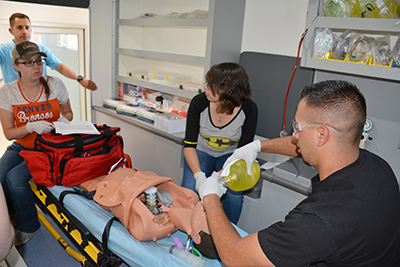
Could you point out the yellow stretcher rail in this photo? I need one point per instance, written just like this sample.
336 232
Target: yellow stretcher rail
73 253
89 248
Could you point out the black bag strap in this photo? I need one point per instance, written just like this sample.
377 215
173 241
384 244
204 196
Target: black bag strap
109 133
106 234
108 258
106 132
78 142
88 195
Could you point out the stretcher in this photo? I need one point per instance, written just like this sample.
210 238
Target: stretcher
84 221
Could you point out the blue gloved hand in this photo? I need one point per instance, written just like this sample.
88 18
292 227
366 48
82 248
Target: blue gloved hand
39 127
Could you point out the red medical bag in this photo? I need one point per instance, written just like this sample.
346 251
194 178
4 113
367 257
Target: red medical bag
70 160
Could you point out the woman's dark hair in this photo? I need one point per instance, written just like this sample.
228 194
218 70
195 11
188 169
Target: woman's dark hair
231 83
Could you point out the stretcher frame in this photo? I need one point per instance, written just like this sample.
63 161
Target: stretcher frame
120 247
90 248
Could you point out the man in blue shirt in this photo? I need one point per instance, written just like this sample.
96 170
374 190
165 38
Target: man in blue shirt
20 28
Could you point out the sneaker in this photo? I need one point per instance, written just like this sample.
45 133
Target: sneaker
21 238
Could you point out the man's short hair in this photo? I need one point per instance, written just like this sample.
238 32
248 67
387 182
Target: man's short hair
339 104
12 18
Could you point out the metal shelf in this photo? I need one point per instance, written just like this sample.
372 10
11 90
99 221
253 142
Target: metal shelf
157 87
355 68
361 24
217 49
164 22
367 25
194 60
177 137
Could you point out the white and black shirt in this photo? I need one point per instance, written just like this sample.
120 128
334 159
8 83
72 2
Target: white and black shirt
202 134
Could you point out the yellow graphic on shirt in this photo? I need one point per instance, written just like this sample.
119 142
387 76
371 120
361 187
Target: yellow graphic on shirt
220 143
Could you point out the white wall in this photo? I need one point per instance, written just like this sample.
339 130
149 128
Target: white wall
101 49
274 27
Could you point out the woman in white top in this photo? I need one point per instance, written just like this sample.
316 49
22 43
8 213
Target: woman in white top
28 106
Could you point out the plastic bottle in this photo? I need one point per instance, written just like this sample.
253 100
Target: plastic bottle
187 257
235 175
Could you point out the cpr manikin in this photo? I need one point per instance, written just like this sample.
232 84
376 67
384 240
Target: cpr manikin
152 207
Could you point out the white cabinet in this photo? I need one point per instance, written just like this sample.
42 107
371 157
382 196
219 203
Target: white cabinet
184 47
149 149
368 26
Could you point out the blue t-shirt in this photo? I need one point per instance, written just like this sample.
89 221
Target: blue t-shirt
10 73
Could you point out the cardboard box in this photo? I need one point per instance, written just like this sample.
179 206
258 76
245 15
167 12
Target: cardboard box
112 103
131 99
127 110
146 115
170 123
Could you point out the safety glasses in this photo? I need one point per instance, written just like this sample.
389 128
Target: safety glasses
299 126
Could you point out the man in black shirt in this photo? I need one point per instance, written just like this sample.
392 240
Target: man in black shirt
351 218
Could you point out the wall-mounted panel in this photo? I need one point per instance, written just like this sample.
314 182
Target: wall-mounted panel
269 80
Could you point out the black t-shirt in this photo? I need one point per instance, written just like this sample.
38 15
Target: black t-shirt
352 218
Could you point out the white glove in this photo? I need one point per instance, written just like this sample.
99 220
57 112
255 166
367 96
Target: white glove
200 177
212 186
248 152
39 127
63 119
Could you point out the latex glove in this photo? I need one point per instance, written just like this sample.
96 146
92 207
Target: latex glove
212 186
39 127
63 119
200 177
248 152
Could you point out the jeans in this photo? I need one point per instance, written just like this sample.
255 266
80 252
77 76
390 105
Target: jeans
232 201
14 177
